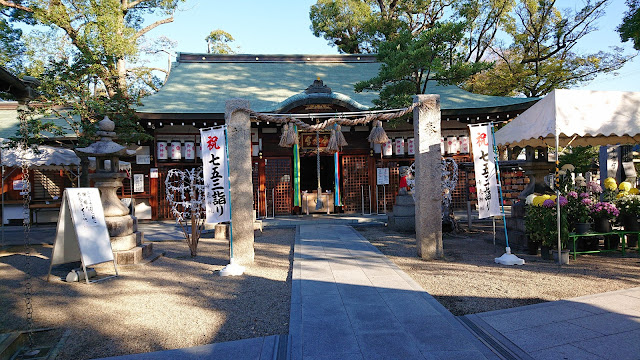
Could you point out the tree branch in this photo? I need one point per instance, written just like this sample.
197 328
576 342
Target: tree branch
153 26
13 5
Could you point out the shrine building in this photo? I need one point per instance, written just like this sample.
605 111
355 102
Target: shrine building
285 179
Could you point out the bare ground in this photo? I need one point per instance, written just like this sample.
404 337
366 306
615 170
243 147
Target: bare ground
174 302
468 280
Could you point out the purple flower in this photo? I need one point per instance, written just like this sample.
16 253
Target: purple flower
563 200
594 187
586 201
549 203
572 194
604 210
584 195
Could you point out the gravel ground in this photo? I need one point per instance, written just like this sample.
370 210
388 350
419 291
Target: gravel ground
174 302
468 281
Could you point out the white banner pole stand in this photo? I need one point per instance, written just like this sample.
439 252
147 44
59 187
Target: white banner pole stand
232 269
509 259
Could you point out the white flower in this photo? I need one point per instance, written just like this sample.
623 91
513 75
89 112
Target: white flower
568 167
529 199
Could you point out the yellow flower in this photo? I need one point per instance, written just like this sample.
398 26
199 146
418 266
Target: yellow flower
634 191
621 194
553 197
538 200
625 186
610 184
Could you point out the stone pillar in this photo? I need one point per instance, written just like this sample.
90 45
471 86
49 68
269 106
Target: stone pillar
239 145
428 187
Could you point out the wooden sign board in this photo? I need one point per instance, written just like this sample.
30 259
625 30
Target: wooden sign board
82 233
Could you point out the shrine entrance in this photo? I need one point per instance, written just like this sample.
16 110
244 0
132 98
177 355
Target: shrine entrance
308 173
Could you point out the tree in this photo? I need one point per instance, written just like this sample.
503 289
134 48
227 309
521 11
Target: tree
543 54
408 63
357 26
630 27
105 33
11 45
217 42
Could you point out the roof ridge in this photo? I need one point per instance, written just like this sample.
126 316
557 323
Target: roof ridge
269 58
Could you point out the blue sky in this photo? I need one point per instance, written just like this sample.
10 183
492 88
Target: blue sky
283 27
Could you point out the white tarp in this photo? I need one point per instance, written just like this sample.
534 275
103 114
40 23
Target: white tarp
592 117
485 171
216 179
46 156
49 156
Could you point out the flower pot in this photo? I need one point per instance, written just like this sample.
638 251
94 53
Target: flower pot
602 225
631 223
545 252
564 256
582 228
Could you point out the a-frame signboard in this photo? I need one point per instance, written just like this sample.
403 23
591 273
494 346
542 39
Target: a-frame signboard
82 233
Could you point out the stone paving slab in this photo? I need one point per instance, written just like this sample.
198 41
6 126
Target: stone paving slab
350 302
600 326
264 348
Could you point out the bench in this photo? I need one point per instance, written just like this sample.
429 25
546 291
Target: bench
620 233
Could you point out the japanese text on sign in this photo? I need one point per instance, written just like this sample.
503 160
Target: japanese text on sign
485 171
216 181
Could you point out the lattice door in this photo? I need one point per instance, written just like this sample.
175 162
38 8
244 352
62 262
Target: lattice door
278 185
355 181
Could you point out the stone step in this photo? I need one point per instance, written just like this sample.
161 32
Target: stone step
137 255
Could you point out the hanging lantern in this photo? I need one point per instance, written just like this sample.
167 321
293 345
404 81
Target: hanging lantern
399 146
176 150
387 148
411 150
161 151
189 151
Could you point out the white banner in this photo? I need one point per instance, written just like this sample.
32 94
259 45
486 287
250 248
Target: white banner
216 180
485 171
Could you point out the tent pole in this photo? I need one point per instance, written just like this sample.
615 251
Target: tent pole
557 186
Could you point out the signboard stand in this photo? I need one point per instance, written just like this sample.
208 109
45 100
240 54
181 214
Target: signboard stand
82 234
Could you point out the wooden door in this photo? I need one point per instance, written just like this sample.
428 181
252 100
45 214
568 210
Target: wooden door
278 185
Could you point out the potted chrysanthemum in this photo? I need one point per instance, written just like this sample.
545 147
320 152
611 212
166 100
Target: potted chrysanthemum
629 207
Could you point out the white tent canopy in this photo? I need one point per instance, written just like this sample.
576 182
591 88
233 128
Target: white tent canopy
48 156
586 117
45 156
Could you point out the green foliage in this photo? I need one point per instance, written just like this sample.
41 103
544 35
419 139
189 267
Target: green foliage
408 63
11 46
541 225
66 94
581 157
217 42
358 26
542 55
630 27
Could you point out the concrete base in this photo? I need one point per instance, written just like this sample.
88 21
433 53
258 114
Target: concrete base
126 242
135 256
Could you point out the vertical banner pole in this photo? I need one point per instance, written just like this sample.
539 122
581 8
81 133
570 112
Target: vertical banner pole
507 258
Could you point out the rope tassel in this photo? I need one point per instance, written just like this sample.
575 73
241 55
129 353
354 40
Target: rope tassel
378 135
333 142
340 137
283 137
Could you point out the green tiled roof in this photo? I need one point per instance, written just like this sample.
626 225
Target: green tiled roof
9 122
202 83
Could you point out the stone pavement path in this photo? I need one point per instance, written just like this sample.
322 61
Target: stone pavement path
349 301
600 326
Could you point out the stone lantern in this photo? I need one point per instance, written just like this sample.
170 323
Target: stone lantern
126 241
